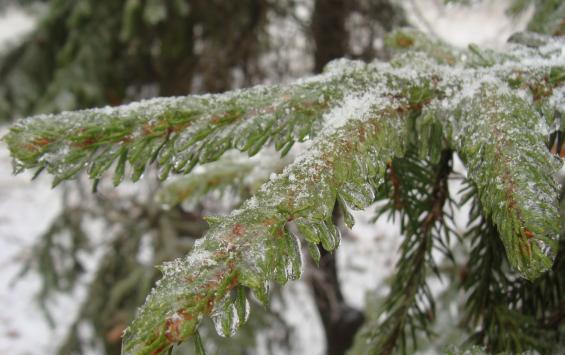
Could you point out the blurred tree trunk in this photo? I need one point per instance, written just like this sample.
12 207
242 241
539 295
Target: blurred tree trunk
231 34
340 321
329 32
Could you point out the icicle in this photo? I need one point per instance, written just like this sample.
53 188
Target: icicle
225 317
347 216
314 252
262 292
281 270
120 167
308 231
198 345
242 305
358 195
164 172
294 259
329 235
137 173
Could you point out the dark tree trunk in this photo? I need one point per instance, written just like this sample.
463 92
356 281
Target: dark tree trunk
329 32
340 321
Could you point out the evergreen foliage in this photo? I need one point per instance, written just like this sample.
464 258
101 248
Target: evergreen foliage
548 15
374 131
410 305
92 53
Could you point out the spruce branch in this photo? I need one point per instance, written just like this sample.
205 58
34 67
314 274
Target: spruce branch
252 247
410 307
499 164
492 110
494 315
180 132
217 176
548 17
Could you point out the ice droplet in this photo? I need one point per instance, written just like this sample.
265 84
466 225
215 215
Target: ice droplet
225 317
242 305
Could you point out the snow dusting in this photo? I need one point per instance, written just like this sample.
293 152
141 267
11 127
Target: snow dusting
366 256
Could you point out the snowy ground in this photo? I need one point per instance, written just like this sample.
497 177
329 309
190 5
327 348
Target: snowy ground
26 209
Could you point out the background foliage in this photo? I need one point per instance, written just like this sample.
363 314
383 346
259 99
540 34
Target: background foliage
80 62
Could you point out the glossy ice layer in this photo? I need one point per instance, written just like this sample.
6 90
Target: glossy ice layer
496 110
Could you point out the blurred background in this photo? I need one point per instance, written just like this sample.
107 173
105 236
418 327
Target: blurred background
75 265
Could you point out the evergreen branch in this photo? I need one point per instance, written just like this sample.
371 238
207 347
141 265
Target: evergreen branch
408 40
548 18
251 247
235 174
409 308
368 114
181 132
504 168
542 300
497 322
63 62
217 176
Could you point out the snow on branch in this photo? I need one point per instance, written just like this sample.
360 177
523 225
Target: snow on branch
496 110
